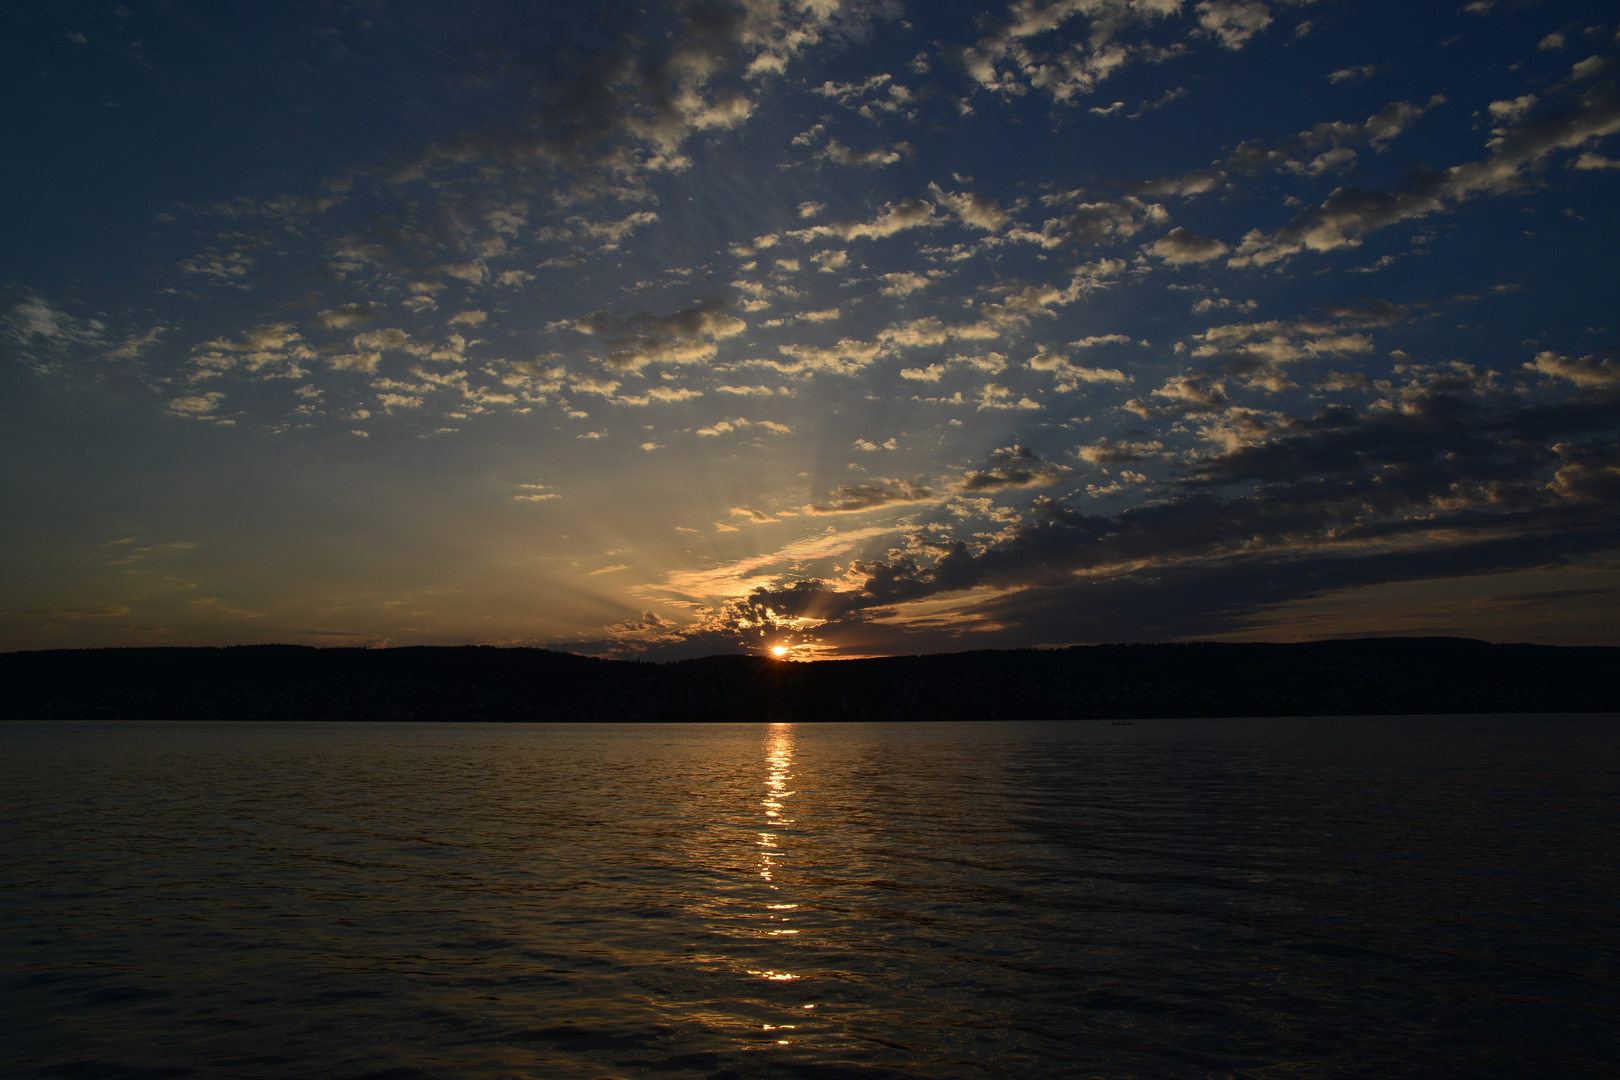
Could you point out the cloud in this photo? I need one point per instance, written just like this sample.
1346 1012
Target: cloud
391 401
378 340
1092 223
1007 60
1013 467
1263 353
1107 452
623 89
469 270
1234 22
646 629
263 338
845 357
197 406
1187 185
364 362
1349 213
1331 142
1507 112
1193 394
1590 68
859 498
876 157
1447 484
869 446
340 318
988 362
872 99
722 427
228 268
829 315
1586 371
590 384
903 284
1069 375
684 337
134 344
1180 247
1590 161
1352 74
612 233
47 338
739 577
996 396
894 218
34 319
971 209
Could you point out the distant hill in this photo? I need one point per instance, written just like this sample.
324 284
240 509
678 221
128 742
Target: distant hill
1324 678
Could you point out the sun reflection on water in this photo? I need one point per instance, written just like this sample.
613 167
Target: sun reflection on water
772 840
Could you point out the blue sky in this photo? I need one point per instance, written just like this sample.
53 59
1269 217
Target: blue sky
855 328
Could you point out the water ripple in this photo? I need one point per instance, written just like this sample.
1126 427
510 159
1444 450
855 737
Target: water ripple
1277 898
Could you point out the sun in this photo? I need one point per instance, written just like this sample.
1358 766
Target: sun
779 650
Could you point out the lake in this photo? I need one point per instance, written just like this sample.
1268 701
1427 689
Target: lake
1321 897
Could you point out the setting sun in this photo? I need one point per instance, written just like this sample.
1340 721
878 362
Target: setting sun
779 650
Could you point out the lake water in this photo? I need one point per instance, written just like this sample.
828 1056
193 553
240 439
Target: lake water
1390 897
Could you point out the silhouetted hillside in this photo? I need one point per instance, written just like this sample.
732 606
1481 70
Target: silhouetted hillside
288 682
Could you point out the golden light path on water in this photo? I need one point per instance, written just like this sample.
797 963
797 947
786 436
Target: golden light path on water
777 790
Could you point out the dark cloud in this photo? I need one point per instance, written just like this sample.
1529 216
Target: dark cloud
1013 467
972 209
1452 481
1094 223
1032 48
1181 246
1545 596
1192 395
1350 213
854 498
1329 142
345 316
683 337
601 91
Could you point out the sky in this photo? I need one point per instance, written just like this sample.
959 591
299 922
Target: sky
849 327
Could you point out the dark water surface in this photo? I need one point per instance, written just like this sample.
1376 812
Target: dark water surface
1392 897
